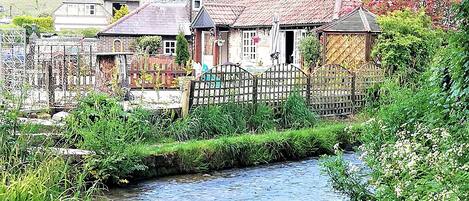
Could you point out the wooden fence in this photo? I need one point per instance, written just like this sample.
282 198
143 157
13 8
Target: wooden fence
329 90
155 72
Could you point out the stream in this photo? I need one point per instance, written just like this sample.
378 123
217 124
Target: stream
281 181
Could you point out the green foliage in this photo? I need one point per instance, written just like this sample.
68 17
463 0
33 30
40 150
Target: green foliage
182 49
296 113
346 177
100 124
210 122
406 44
29 173
247 150
149 44
87 33
123 11
310 49
44 24
262 119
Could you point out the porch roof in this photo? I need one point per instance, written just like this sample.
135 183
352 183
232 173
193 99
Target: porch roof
214 14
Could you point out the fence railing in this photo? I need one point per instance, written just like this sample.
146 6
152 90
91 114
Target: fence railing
329 90
155 72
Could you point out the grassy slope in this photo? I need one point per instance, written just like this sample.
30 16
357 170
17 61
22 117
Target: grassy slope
29 7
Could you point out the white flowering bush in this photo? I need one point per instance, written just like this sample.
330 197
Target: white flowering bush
424 164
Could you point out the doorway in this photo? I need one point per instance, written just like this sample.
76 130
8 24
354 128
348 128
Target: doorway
289 46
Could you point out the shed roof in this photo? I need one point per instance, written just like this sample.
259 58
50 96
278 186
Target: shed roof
152 19
359 20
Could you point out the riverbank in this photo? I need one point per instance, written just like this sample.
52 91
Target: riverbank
240 151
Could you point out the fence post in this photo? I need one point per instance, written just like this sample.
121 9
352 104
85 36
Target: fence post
308 90
190 96
254 90
50 87
354 82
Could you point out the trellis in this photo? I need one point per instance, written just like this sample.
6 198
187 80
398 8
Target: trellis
223 84
12 60
276 84
346 49
369 74
332 90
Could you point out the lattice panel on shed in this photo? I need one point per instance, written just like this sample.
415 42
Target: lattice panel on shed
367 75
223 84
348 50
331 90
277 83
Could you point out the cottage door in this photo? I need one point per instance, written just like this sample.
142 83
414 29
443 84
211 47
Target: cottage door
207 49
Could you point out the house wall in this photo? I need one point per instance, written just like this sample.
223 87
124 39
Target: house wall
263 48
128 43
76 16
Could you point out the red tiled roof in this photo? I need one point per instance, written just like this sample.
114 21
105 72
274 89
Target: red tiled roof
152 19
223 14
259 13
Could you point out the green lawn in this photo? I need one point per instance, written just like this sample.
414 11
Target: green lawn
30 7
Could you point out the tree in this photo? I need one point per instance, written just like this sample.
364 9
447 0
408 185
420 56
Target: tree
123 11
182 49
440 11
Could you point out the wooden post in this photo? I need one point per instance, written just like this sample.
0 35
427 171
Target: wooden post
50 87
308 89
186 97
254 90
354 77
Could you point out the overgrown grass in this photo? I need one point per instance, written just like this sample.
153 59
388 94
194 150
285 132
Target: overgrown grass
246 150
29 173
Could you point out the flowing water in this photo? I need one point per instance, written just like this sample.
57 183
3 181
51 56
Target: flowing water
283 181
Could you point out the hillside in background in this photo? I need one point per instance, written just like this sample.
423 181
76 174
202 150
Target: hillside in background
29 7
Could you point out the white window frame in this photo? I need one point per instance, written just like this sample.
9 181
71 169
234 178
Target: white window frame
90 8
249 47
193 4
165 47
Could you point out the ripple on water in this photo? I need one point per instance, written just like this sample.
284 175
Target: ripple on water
284 181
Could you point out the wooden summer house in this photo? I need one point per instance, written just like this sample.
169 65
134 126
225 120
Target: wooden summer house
349 40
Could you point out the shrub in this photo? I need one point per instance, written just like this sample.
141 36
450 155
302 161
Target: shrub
149 44
296 113
310 49
406 44
45 24
182 49
123 11
346 178
100 124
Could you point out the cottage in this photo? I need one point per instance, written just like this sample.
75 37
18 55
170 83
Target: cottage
151 19
81 14
240 30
